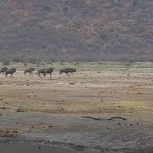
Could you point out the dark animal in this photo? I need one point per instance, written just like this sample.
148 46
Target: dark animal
67 71
10 71
50 71
30 71
71 70
3 70
42 71
110 118
45 71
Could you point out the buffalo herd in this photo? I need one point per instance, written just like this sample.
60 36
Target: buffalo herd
39 72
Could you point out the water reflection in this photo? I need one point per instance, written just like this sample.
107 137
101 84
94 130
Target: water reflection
26 148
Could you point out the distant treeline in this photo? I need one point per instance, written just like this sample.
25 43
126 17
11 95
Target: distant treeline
76 30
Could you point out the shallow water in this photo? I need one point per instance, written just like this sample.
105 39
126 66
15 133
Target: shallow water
32 148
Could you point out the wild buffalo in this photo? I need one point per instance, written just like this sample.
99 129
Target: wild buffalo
67 71
50 71
45 71
10 71
71 70
3 70
30 71
42 71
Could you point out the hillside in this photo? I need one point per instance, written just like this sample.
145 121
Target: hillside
76 30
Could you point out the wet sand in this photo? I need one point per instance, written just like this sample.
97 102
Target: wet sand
35 148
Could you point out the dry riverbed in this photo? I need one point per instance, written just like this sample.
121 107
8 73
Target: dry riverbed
49 111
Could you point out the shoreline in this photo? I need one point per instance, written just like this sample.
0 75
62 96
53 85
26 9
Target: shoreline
79 134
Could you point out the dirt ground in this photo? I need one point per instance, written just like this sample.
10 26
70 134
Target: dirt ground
49 110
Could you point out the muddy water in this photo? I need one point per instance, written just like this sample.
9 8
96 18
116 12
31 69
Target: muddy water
25 148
